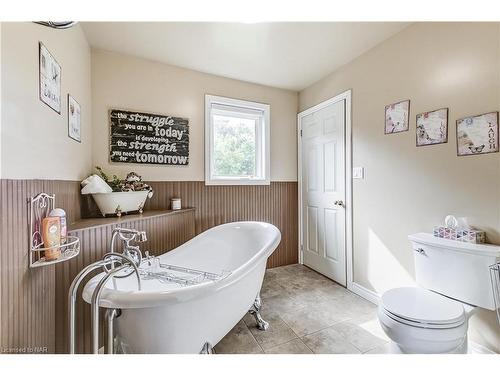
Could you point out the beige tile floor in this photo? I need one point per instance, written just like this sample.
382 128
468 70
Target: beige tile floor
307 313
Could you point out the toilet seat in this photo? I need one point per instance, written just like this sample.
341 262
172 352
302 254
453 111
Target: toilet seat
419 321
422 324
421 308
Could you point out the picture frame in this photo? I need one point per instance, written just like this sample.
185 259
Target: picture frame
478 134
74 119
397 117
49 73
432 127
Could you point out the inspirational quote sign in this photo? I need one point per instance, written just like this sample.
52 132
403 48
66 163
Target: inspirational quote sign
146 138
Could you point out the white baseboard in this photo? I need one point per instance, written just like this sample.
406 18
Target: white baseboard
365 293
475 348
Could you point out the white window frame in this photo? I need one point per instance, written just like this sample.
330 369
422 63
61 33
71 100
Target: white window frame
263 135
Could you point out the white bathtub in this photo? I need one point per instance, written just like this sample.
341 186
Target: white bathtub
169 318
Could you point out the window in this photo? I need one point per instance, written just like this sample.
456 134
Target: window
237 136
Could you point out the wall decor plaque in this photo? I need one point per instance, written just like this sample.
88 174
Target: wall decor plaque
477 134
432 127
146 138
49 72
74 119
396 117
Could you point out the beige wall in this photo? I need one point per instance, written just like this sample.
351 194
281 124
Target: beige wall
34 138
409 189
126 82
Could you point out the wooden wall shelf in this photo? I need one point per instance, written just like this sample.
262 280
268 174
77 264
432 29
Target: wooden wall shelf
84 224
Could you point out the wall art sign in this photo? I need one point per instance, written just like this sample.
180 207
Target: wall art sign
50 79
74 119
477 134
432 127
146 138
396 117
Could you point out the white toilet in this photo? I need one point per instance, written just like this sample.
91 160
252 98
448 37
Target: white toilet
453 279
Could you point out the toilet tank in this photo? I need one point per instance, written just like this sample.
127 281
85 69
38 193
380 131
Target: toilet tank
455 269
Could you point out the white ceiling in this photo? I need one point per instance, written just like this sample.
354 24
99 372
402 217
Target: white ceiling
285 55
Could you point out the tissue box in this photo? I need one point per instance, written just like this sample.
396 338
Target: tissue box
463 235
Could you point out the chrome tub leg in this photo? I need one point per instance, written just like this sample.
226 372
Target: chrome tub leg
255 311
207 349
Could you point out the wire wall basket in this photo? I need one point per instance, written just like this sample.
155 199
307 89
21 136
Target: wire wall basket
39 208
495 284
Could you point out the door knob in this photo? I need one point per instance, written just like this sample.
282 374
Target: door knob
339 203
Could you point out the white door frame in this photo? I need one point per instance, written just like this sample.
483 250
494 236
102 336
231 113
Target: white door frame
346 95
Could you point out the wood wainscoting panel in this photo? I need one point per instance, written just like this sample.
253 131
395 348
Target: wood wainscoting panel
276 203
33 302
165 231
27 309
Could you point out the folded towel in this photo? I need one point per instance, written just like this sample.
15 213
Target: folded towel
95 184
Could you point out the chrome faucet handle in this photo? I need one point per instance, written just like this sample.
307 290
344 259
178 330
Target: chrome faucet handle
148 256
151 260
130 234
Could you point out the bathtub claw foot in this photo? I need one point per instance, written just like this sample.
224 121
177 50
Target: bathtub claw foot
255 312
261 323
207 349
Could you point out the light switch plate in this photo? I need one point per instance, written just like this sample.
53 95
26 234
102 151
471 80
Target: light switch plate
358 173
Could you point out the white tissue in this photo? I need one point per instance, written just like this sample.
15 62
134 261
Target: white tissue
453 222
462 223
95 184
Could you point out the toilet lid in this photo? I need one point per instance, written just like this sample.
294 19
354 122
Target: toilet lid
422 306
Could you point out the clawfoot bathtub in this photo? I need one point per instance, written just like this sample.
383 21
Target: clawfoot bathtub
167 317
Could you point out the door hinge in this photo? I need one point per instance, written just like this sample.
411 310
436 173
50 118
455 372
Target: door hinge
301 132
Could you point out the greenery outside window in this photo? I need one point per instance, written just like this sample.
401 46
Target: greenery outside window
236 142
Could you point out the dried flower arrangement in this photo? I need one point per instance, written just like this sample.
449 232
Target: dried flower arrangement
133 182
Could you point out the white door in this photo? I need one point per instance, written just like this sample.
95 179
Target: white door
323 190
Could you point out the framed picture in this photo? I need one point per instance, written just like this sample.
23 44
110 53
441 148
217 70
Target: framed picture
432 127
50 79
396 117
74 119
477 134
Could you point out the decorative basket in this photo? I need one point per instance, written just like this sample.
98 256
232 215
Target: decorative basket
462 235
117 203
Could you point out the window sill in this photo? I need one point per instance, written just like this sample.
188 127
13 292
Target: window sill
237 182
